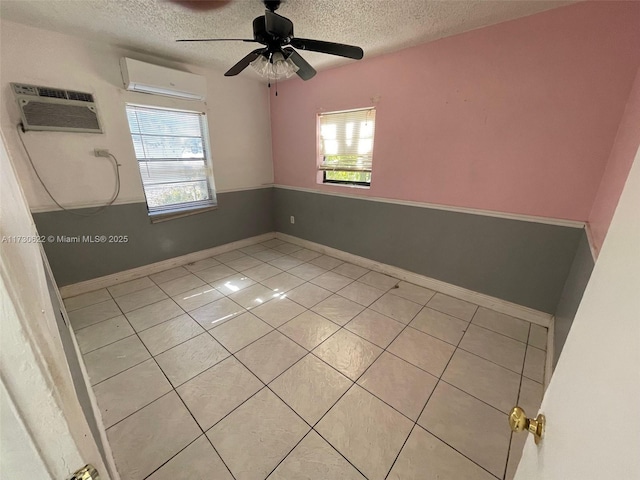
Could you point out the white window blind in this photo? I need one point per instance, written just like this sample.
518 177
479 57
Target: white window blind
346 141
171 149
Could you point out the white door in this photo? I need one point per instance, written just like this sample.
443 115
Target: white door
592 405
49 427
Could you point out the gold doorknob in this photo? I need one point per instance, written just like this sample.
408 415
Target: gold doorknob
519 422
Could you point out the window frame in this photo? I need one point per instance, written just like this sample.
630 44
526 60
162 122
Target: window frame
171 211
320 158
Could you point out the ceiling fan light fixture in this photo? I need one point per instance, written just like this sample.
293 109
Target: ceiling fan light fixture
276 67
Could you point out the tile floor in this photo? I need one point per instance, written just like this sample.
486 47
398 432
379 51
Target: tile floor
275 361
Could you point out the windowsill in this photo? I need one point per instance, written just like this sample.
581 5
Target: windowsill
349 185
165 216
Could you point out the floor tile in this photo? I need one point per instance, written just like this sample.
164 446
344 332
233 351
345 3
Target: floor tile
232 284
515 453
114 358
307 272
338 309
361 293
379 280
259 357
452 306
274 242
278 311
255 437
181 284
538 337
534 364
141 298
487 381
366 431
308 295
305 254
129 391
230 256
197 297
262 272
217 272
130 286
168 334
267 255
403 386
530 396
283 282
348 353
501 323
375 327
257 247
440 325
422 350
103 333
169 274
199 461
217 391
190 358
141 444
413 292
313 458
239 332
326 262
487 443
86 299
427 458
253 296
310 387
244 263
309 329
151 315
396 307
494 347
286 262
217 312
89 315
332 281
350 270
287 248
202 264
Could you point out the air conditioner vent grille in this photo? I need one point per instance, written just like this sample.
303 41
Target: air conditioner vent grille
51 92
61 116
80 96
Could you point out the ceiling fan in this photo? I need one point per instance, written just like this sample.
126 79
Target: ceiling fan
277 59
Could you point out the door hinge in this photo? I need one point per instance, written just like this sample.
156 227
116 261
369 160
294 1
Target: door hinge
88 472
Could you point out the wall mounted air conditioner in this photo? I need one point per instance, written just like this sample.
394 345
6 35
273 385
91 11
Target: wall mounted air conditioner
148 78
54 109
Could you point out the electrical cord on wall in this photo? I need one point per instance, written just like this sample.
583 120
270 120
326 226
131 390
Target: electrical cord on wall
100 209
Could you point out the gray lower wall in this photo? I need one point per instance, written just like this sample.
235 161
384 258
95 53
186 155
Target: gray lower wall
572 292
523 262
239 215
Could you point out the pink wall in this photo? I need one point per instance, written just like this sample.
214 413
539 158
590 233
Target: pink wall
518 117
623 152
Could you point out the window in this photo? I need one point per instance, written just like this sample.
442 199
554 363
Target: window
173 156
346 146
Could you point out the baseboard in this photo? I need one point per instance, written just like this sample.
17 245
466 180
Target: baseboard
499 305
548 364
138 272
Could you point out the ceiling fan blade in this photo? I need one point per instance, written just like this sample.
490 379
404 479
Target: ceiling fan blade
331 48
203 5
277 25
216 40
305 71
244 63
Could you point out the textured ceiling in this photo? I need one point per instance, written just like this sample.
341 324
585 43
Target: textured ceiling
152 26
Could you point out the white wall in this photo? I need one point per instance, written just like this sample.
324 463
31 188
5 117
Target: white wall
237 109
